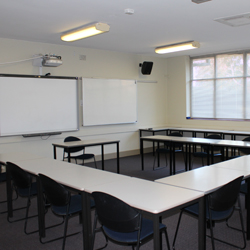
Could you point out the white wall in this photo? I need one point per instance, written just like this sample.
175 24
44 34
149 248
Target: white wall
152 101
178 75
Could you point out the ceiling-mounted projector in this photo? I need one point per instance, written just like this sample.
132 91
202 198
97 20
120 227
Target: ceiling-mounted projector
51 61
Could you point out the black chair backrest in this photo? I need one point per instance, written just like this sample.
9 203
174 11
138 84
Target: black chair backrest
225 197
245 150
177 134
20 177
56 193
75 149
213 136
116 214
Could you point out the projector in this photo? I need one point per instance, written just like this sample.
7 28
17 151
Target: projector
51 61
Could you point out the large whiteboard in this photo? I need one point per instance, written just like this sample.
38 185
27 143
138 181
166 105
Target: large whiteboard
33 104
109 101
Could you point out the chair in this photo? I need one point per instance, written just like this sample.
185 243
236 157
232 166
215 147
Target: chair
62 204
82 156
245 151
166 149
220 205
2 179
121 223
22 182
204 149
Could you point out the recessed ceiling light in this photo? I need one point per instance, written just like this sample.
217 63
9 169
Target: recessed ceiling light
200 1
234 21
129 11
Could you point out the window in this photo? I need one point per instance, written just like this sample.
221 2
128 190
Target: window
220 86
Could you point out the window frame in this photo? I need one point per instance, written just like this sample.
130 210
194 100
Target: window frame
244 77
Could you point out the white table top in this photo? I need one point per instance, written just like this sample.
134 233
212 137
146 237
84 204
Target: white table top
72 175
200 130
84 142
20 156
205 179
196 140
241 164
147 195
180 139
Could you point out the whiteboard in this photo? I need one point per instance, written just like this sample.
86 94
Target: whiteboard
31 105
109 101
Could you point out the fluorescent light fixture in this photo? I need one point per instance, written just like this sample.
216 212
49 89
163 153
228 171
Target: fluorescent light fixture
177 47
84 32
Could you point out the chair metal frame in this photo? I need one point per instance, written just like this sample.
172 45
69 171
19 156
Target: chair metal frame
26 188
82 157
60 200
204 150
221 202
117 217
165 150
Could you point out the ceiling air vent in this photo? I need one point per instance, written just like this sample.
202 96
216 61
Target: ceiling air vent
235 21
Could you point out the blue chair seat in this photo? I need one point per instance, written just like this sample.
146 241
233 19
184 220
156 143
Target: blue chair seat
162 150
25 191
84 157
216 215
131 237
2 177
204 154
75 206
243 188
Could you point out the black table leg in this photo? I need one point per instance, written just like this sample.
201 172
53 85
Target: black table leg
202 224
118 158
9 193
86 222
142 154
157 240
248 208
102 157
171 158
40 208
54 152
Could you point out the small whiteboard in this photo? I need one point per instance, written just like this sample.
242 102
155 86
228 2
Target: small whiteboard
37 105
109 101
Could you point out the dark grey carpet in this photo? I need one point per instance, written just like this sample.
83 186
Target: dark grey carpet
12 235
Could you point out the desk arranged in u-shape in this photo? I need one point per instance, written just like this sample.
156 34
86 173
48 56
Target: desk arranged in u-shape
188 142
155 199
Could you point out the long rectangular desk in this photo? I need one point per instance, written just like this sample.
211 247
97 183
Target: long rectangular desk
188 141
172 139
17 156
154 199
73 176
209 178
194 131
90 143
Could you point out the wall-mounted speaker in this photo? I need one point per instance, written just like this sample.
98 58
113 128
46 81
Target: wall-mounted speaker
146 67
